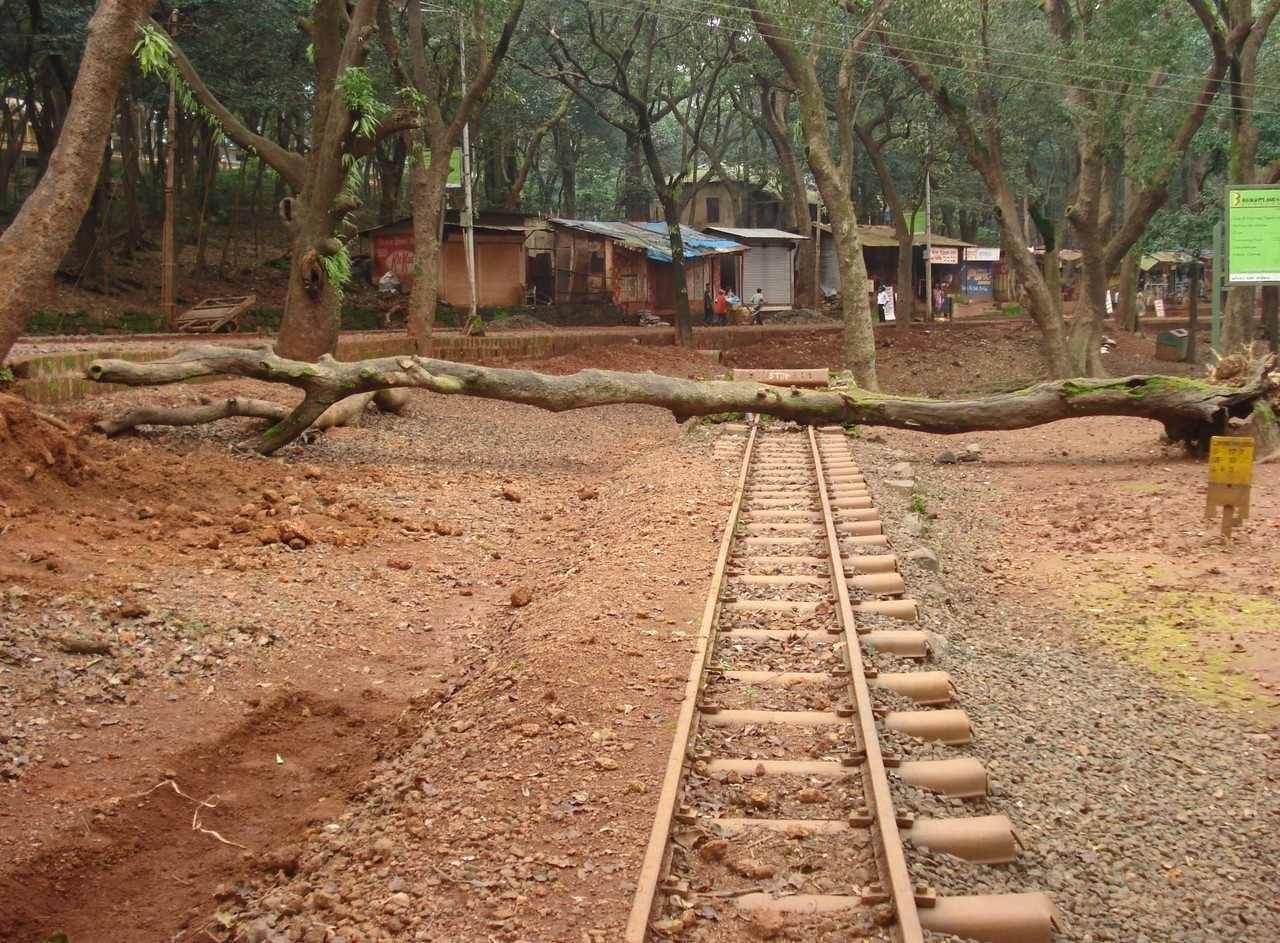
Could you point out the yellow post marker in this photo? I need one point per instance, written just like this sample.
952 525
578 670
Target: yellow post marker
1230 479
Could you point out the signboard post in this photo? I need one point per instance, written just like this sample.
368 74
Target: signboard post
1159 307
1230 480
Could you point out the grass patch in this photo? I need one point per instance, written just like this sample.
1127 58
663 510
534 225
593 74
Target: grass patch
1184 638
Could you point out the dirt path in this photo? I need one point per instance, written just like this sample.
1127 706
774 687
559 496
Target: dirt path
360 713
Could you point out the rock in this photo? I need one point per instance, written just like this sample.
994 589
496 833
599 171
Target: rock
924 558
752 869
530 730
947 458
810 795
521 596
759 798
73 645
132 610
900 485
511 494
293 532
398 563
588 494
766 924
914 524
714 850
604 763
900 470
972 453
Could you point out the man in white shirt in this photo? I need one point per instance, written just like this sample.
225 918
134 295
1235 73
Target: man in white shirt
756 304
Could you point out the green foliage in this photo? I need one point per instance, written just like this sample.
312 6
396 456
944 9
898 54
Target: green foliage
154 52
337 268
6 375
358 91
917 505
154 55
715 419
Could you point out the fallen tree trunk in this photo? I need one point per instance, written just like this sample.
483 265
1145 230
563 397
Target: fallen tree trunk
1190 410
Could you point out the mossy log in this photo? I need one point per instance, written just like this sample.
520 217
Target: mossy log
1190 410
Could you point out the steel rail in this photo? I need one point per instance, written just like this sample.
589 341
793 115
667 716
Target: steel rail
892 856
655 855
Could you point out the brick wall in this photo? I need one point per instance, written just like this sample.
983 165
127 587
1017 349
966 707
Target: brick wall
59 378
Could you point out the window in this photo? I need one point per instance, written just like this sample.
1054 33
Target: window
597 263
713 209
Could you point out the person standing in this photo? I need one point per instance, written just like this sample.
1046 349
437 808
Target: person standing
707 309
756 304
722 307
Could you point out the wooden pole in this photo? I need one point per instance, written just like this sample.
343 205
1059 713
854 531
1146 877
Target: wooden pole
168 308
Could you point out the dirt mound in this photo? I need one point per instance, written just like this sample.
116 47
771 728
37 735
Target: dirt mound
34 450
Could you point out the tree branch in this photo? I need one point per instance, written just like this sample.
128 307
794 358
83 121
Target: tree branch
1187 407
290 165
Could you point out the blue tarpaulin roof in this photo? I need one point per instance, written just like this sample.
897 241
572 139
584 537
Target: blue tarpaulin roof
651 238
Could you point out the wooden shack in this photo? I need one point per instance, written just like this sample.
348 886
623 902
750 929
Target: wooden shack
501 265
628 265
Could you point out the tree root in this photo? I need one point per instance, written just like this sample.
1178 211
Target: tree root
1189 409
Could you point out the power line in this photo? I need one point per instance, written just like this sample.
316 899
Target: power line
641 6
1055 61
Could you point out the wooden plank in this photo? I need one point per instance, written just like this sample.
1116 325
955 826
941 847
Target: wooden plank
820 377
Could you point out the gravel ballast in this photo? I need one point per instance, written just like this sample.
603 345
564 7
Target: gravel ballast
1147 816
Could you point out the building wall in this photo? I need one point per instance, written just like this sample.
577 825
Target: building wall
500 266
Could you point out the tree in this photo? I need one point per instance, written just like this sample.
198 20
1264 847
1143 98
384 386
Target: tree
833 174
626 69
431 76
39 236
980 136
1094 34
1245 33
773 118
347 121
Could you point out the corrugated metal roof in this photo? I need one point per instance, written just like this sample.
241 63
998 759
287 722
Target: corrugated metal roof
651 238
738 233
1150 261
883 237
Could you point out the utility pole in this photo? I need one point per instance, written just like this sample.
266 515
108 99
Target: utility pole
469 230
928 237
168 308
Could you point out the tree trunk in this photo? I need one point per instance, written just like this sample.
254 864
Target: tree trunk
633 194
795 194
131 174
1271 316
858 343
35 242
209 165
427 186
567 166
1193 317
390 177
1190 410
906 299
1128 317
680 286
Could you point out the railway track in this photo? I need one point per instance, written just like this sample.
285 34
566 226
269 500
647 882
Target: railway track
777 815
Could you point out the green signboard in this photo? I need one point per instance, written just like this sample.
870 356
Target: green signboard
1253 235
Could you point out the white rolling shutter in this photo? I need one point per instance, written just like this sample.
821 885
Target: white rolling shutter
769 268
